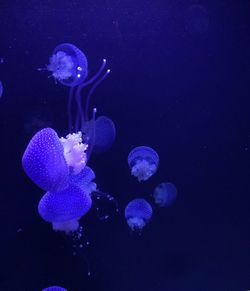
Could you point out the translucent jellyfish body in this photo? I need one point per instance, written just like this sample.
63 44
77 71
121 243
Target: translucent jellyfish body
68 65
137 213
105 133
54 288
44 162
64 208
1 89
143 162
165 194
84 180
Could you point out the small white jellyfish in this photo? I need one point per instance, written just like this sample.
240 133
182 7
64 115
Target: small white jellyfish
165 194
61 65
1 89
143 162
137 213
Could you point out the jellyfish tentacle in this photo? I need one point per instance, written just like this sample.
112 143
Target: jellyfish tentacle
92 89
97 194
69 107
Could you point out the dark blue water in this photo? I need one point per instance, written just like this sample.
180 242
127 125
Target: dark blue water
180 83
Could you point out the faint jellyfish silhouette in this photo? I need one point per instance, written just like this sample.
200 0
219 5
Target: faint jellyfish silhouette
196 19
165 194
143 162
37 120
44 163
105 133
64 208
1 89
137 213
55 288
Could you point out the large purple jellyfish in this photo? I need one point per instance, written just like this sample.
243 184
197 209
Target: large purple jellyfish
64 208
137 213
44 162
143 162
165 194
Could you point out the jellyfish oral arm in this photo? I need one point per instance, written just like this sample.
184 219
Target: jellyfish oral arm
143 170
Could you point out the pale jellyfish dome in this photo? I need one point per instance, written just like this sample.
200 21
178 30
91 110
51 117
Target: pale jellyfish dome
64 208
68 65
143 162
44 163
105 133
54 288
84 180
137 213
165 194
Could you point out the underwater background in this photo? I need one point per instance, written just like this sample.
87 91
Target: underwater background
179 83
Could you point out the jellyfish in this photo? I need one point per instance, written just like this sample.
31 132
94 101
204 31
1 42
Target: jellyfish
1 89
44 162
143 162
84 180
63 209
105 133
54 288
69 66
137 213
165 194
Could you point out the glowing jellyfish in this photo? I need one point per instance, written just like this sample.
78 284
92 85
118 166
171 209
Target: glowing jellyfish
69 66
165 194
64 208
105 133
84 180
1 89
54 288
44 162
143 162
137 213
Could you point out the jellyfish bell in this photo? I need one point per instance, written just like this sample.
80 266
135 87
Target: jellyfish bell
54 288
143 162
165 194
68 65
137 213
105 133
64 208
44 163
